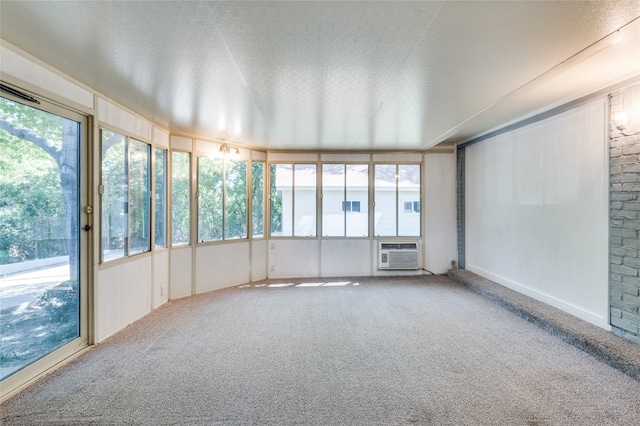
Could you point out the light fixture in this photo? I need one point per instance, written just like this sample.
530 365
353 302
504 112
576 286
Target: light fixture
226 151
621 119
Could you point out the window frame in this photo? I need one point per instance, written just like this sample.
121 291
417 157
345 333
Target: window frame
127 139
164 194
224 171
170 238
398 207
86 198
317 191
251 206
347 201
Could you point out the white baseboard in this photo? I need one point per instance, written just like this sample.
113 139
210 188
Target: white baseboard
591 317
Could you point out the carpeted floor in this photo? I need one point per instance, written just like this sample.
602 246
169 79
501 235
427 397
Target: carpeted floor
370 351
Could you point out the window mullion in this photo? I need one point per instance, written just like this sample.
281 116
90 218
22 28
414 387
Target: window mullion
224 196
248 219
344 216
397 200
128 202
293 200
152 202
149 200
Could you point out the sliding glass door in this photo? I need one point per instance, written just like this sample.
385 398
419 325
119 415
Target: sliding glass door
42 246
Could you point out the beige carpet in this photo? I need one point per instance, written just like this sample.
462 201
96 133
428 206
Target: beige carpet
367 351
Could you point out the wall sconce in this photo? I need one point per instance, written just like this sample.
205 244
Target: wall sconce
226 151
621 119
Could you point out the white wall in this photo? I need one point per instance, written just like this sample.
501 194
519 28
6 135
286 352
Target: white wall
537 211
160 278
293 258
259 260
222 265
439 210
24 68
123 295
345 258
180 275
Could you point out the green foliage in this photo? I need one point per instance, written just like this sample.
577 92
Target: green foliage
139 201
160 196
34 121
114 198
257 197
235 202
221 199
31 206
210 196
276 202
180 197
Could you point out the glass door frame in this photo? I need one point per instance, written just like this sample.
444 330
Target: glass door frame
26 375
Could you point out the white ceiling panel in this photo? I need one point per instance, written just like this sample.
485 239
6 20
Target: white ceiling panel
346 75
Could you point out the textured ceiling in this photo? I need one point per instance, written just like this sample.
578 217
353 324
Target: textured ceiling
350 75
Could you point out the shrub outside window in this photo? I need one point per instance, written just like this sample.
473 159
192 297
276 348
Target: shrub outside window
257 199
180 197
222 199
115 189
160 197
210 202
235 199
139 197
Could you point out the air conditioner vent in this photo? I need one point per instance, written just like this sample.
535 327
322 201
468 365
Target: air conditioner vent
398 255
398 246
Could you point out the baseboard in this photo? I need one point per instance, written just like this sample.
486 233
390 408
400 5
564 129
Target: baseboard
591 317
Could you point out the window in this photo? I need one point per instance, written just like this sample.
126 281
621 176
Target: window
351 206
409 190
257 199
293 199
397 187
125 196
345 200
180 197
385 200
222 199
411 207
281 185
304 203
235 199
210 202
115 192
357 190
160 197
139 197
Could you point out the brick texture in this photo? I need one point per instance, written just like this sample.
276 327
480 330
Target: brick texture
624 208
460 205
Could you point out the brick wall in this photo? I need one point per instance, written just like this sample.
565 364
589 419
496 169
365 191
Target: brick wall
460 205
624 225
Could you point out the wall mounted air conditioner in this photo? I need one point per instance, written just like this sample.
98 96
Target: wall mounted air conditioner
398 256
